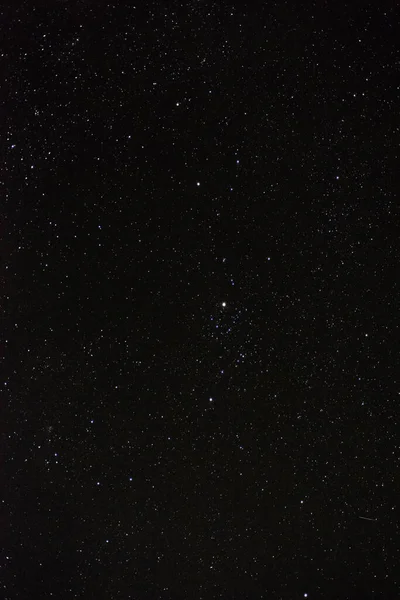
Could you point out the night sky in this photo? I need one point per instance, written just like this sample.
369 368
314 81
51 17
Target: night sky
199 243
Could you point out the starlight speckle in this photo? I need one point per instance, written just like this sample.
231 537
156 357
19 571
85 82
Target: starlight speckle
200 386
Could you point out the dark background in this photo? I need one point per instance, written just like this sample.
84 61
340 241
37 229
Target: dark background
156 443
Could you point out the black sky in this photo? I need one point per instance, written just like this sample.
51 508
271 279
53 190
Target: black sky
199 295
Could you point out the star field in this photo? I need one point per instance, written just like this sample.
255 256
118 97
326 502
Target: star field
199 296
